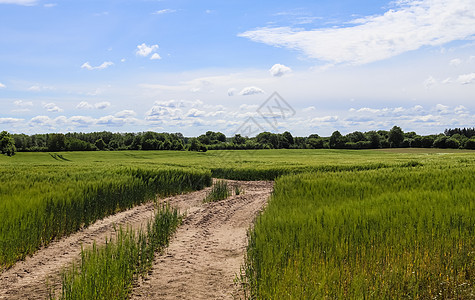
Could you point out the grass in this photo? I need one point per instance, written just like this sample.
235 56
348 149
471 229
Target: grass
109 271
219 191
341 224
41 203
393 233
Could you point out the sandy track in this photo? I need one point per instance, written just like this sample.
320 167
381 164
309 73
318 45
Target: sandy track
208 249
200 263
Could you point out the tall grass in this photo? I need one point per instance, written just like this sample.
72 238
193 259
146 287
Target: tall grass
109 271
394 233
219 191
39 203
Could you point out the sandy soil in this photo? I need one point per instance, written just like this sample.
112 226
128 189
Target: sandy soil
207 251
200 262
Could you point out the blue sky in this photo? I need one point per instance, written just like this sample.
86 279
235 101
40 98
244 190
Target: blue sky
193 66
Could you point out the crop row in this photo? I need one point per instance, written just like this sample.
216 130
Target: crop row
109 271
41 203
389 233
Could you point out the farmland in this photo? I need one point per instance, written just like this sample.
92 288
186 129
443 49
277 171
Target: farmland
340 224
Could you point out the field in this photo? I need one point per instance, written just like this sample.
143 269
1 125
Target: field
340 224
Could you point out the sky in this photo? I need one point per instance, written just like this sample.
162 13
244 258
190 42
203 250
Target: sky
236 66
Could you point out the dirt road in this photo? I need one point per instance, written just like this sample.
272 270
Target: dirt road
200 262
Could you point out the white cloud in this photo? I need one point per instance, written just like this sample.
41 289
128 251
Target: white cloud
194 113
159 113
49 5
20 2
155 56
442 109
164 11
279 70
430 82
455 62
51 107
10 120
248 107
231 92
466 78
325 119
309 109
412 25
251 90
145 50
104 65
21 103
115 121
460 110
81 121
447 80
84 105
102 105
2 86
39 88
40 121
126 114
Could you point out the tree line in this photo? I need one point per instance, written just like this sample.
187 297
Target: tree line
457 138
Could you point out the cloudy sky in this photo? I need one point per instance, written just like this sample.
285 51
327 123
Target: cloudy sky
191 66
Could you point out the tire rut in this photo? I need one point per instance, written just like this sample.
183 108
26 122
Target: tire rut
200 262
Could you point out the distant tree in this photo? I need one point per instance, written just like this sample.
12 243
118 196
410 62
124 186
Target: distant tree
7 144
356 137
396 137
440 142
56 142
315 143
416 142
427 141
178 145
74 144
195 145
288 137
452 143
337 141
470 144
100 144
238 139
374 138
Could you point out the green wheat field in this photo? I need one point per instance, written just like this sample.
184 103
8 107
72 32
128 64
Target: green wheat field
341 224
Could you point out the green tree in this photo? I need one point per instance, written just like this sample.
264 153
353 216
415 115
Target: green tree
7 144
337 141
238 139
374 138
396 137
100 144
56 142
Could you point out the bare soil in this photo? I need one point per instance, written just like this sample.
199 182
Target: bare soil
200 263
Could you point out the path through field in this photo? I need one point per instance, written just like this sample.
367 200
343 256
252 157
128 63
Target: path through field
200 262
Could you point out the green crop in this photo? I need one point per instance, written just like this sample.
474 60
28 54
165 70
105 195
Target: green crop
109 271
219 191
391 233
40 203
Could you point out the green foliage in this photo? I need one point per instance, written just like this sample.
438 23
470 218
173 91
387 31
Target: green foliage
40 203
390 233
108 272
219 191
56 142
470 144
337 141
7 144
396 137
100 144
